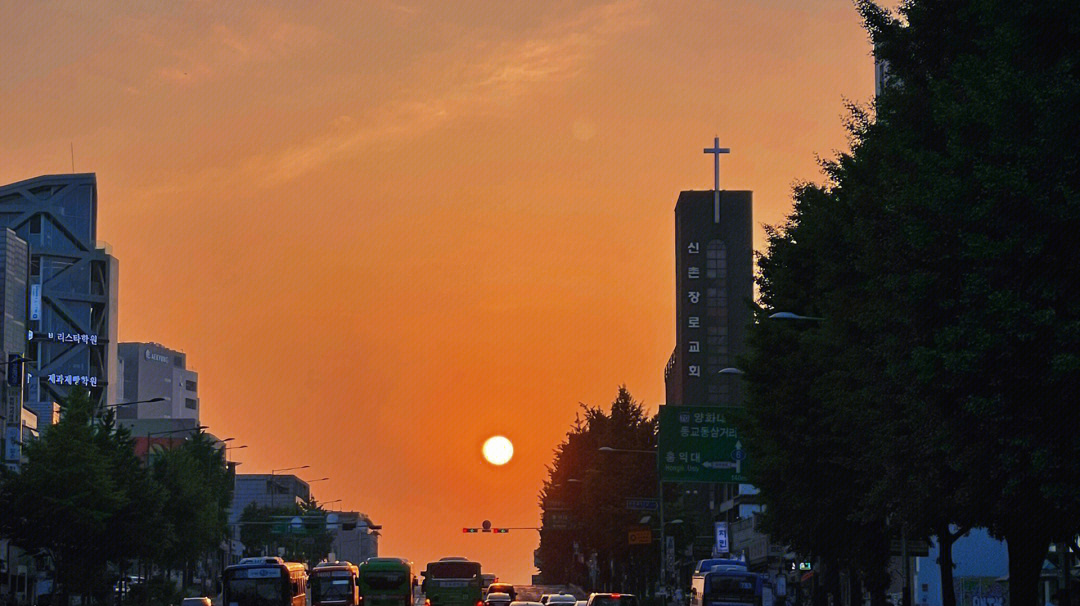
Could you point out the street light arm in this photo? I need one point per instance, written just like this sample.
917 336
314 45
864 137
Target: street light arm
630 450
787 315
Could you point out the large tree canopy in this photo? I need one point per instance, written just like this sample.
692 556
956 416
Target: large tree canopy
940 254
584 498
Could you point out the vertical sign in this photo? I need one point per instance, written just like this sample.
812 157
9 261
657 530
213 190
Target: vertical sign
694 314
35 301
14 445
669 554
722 546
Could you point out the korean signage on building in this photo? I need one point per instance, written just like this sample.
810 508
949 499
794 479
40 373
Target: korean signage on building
35 301
722 545
700 444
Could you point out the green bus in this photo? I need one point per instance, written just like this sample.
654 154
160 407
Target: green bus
386 582
453 582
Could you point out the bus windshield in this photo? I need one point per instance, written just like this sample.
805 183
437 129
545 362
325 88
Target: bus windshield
255 592
326 588
453 570
734 587
384 580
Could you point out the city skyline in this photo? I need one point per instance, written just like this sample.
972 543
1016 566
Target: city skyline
401 221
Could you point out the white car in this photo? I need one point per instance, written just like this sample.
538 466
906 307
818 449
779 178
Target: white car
558 598
497 599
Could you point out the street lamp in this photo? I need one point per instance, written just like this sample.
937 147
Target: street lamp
195 429
273 483
119 404
787 315
228 448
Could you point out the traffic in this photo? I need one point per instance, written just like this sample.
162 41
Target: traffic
455 581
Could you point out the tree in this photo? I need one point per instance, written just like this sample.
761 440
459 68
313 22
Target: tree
263 530
78 499
199 489
936 253
583 499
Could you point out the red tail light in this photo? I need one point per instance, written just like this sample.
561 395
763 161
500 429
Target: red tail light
616 595
479 604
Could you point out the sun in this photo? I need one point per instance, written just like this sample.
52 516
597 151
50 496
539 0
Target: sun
498 450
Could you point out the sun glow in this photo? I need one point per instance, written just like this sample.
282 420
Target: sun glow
498 450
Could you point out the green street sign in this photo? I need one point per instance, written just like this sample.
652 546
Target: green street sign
700 444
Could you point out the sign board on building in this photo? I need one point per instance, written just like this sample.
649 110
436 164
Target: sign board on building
642 504
35 301
700 444
13 452
980 591
640 536
722 545
915 548
557 520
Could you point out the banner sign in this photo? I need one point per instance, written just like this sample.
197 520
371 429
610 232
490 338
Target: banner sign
722 538
640 536
700 444
642 504
35 301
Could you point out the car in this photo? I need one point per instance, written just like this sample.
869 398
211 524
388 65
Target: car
561 598
613 599
497 598
196 602
524 603
582 603
506 588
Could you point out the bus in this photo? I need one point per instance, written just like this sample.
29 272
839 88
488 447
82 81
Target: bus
486 580
452 582
386 582
335 583
265 581
731 585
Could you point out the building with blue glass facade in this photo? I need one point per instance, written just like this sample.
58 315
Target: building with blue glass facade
72 279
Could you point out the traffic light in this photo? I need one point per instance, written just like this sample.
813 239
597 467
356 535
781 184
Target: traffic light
470 530
500 530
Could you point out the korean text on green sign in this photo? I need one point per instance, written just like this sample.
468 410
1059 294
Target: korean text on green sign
700 444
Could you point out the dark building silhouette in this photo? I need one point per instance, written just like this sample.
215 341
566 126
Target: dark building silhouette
714 267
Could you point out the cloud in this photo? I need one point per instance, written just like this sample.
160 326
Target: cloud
493 72
225 49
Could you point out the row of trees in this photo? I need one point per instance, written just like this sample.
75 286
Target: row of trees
937 392
302 531
584 497
88 503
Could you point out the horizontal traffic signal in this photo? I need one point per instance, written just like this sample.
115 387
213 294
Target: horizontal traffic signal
470 530
500 530
495 530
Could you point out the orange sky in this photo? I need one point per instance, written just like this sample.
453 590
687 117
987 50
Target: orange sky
384 231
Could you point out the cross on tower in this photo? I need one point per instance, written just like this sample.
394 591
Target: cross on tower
716 150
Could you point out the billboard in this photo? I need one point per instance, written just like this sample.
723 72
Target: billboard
700 444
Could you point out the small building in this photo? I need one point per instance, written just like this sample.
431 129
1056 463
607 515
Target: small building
151 370
356 537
